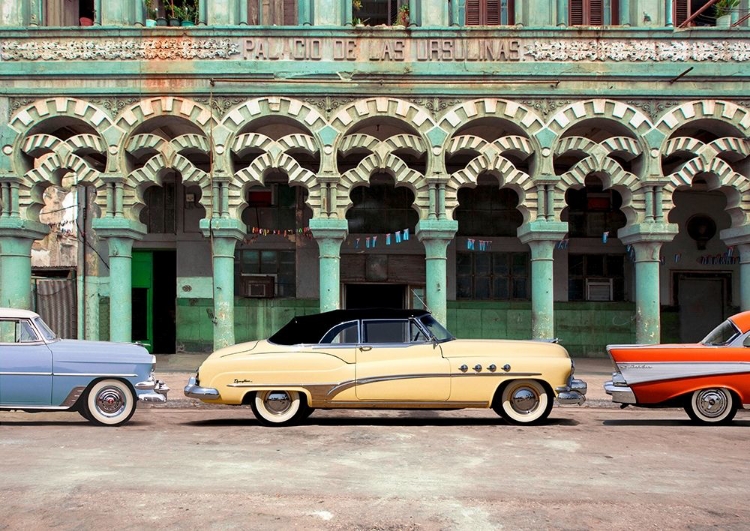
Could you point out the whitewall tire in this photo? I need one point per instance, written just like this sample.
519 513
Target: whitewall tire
524 402
278 408
109 403
711 406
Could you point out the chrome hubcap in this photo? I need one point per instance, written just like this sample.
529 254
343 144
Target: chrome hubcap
712 403
524 400
278 402
110 401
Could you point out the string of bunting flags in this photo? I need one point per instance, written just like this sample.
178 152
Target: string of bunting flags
370 242
258 231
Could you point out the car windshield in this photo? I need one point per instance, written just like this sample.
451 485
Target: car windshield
722 334
436 329
45 330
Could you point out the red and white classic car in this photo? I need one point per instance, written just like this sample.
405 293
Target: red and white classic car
710 379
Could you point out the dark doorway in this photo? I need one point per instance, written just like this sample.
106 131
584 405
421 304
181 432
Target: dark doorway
154 300
375 296
702 300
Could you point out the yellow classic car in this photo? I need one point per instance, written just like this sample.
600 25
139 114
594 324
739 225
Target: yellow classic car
385 359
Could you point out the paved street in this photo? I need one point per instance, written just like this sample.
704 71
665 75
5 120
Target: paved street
216 468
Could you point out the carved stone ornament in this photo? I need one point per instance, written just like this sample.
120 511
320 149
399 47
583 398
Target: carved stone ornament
117 50
636 51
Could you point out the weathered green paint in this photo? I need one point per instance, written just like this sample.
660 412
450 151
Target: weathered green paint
120 289
330 234
15 261
541 237
224 234
435 235
740 237
647 239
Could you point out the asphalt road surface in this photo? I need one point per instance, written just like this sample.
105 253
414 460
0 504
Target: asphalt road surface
216 468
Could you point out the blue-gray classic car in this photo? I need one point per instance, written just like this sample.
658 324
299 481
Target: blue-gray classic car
100 380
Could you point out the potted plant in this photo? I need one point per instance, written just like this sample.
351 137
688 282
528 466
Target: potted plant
150 13
356 6
402 17
190 13
173 12
723 10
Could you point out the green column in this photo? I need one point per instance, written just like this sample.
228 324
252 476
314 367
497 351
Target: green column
647 239
224 234
740 238
541 237
436 235
330 234
120 234
16 238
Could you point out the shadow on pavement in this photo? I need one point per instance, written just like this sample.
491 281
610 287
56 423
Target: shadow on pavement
382 421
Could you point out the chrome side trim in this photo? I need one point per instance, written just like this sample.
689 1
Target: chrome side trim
95 375
388 404
654 371
620 394
73 396
25 373
20 407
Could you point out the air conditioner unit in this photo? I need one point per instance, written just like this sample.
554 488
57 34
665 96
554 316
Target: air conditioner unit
599 290
258 286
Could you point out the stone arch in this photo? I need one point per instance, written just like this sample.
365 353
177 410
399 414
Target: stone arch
62 157
167 156
508 176
735 186
463 114
618 112
720 110
385 162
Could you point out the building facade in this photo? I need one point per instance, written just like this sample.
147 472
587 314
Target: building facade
570 169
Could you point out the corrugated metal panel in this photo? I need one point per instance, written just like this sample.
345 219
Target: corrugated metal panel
56 303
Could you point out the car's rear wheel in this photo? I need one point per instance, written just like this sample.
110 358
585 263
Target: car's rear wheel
109 403
278 407
524 402
711 406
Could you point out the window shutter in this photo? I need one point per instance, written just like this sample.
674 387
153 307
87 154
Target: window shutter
290 12
472 13
596 13
614 7
681 11
576 13
492 13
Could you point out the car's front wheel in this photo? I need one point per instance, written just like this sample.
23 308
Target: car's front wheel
109 403
279 408
711 406
523 402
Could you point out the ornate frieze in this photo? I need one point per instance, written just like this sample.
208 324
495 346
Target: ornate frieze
376 49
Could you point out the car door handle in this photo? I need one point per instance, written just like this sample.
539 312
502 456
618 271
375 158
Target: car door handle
365 349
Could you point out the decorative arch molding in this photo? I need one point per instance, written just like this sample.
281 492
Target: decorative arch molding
735 186
507 174
25 118
400 110
168 155
50 172
463 114
297 111
617 111
720 110
139 113
388 163
275 157
612 175
507 144
737 148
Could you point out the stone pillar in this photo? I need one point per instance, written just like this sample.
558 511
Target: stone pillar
436 235
541 237
647 239
16 237
330 234
120 234
224 234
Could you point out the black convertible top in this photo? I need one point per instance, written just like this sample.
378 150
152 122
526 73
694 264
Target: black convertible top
311 328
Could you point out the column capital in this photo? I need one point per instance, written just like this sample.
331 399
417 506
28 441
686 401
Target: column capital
647 233
436 229
736 235
223 228
15 227
119 228
329 228
542 230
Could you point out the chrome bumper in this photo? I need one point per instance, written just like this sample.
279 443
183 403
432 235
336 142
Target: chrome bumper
158 391
192 390
621 394
573 393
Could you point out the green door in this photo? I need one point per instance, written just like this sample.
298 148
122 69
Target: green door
143 298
